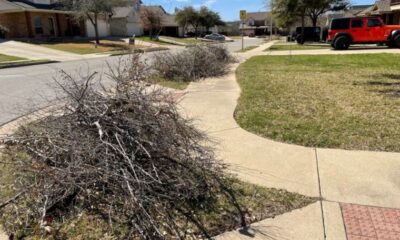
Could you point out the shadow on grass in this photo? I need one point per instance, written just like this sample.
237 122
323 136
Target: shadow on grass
387 84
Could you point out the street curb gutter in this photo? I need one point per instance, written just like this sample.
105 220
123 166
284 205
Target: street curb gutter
16 65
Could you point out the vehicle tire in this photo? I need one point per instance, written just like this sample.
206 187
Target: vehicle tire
342 43
391 44
299 40
396 40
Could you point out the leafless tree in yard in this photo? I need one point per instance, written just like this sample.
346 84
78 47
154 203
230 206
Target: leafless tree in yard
152 20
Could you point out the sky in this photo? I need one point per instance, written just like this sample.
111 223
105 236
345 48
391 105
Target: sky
228 9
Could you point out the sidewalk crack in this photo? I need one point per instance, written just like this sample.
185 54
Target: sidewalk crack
320 192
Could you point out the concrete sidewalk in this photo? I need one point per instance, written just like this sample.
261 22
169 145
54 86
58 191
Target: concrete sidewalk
338 177
35 52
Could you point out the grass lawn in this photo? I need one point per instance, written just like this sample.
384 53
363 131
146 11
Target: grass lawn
87 47
287 47
180 85
335 101
12 61
188 41
7 58
259 201
247 49
148 39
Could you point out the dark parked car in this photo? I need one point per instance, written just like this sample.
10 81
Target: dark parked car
311 34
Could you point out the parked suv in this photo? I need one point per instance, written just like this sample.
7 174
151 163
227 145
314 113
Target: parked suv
311 34
346 31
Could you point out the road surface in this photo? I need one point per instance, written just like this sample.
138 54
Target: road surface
25 88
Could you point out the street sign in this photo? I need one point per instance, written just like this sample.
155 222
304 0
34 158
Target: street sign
243 15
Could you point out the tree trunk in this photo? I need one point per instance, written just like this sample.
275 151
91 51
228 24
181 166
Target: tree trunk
303 23
96 29
314 19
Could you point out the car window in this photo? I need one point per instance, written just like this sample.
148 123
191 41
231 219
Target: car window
373 22
340 24
357 23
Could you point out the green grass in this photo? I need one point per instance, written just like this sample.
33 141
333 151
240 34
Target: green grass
179 85
261 202
149 40
247 49
7 58
335 101
287 47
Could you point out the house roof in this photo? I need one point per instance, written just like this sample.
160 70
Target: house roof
380 7
258 16
22 5
121 12
6 6
155 8
167 20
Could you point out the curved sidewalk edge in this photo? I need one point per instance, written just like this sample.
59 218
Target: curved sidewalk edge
337 176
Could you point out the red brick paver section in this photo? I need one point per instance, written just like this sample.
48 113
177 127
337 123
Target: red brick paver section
371 223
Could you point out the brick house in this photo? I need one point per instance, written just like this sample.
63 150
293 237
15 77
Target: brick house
38 19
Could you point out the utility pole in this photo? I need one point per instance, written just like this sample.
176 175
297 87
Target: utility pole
243 17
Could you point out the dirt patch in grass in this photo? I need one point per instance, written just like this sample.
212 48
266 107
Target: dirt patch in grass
336 101
259 201
288 47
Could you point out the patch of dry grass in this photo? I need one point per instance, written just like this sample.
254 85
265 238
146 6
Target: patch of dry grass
87 47
335 101
259 201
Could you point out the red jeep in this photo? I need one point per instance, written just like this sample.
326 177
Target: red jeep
364 30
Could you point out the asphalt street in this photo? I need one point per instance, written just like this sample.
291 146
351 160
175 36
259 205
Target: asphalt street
25 88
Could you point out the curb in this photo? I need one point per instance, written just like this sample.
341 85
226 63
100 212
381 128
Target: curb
16 65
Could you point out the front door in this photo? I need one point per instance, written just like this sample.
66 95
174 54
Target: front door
52 27
375 30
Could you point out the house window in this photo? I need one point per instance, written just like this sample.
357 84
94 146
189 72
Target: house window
37 22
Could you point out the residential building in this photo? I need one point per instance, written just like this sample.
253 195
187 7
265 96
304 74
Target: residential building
38 19
169 27
126 21
382 9
352 11
257 24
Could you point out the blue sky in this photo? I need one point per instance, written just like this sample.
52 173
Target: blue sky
228 9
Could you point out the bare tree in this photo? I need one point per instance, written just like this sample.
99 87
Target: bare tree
152 20
92 10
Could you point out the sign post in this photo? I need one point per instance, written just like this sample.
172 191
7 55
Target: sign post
243 17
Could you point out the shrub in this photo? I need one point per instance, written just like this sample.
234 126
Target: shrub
193 63
3 31
125 156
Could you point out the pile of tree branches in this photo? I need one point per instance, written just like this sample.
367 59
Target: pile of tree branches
123 154
193 63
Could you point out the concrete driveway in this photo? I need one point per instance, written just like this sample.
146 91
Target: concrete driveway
35 52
